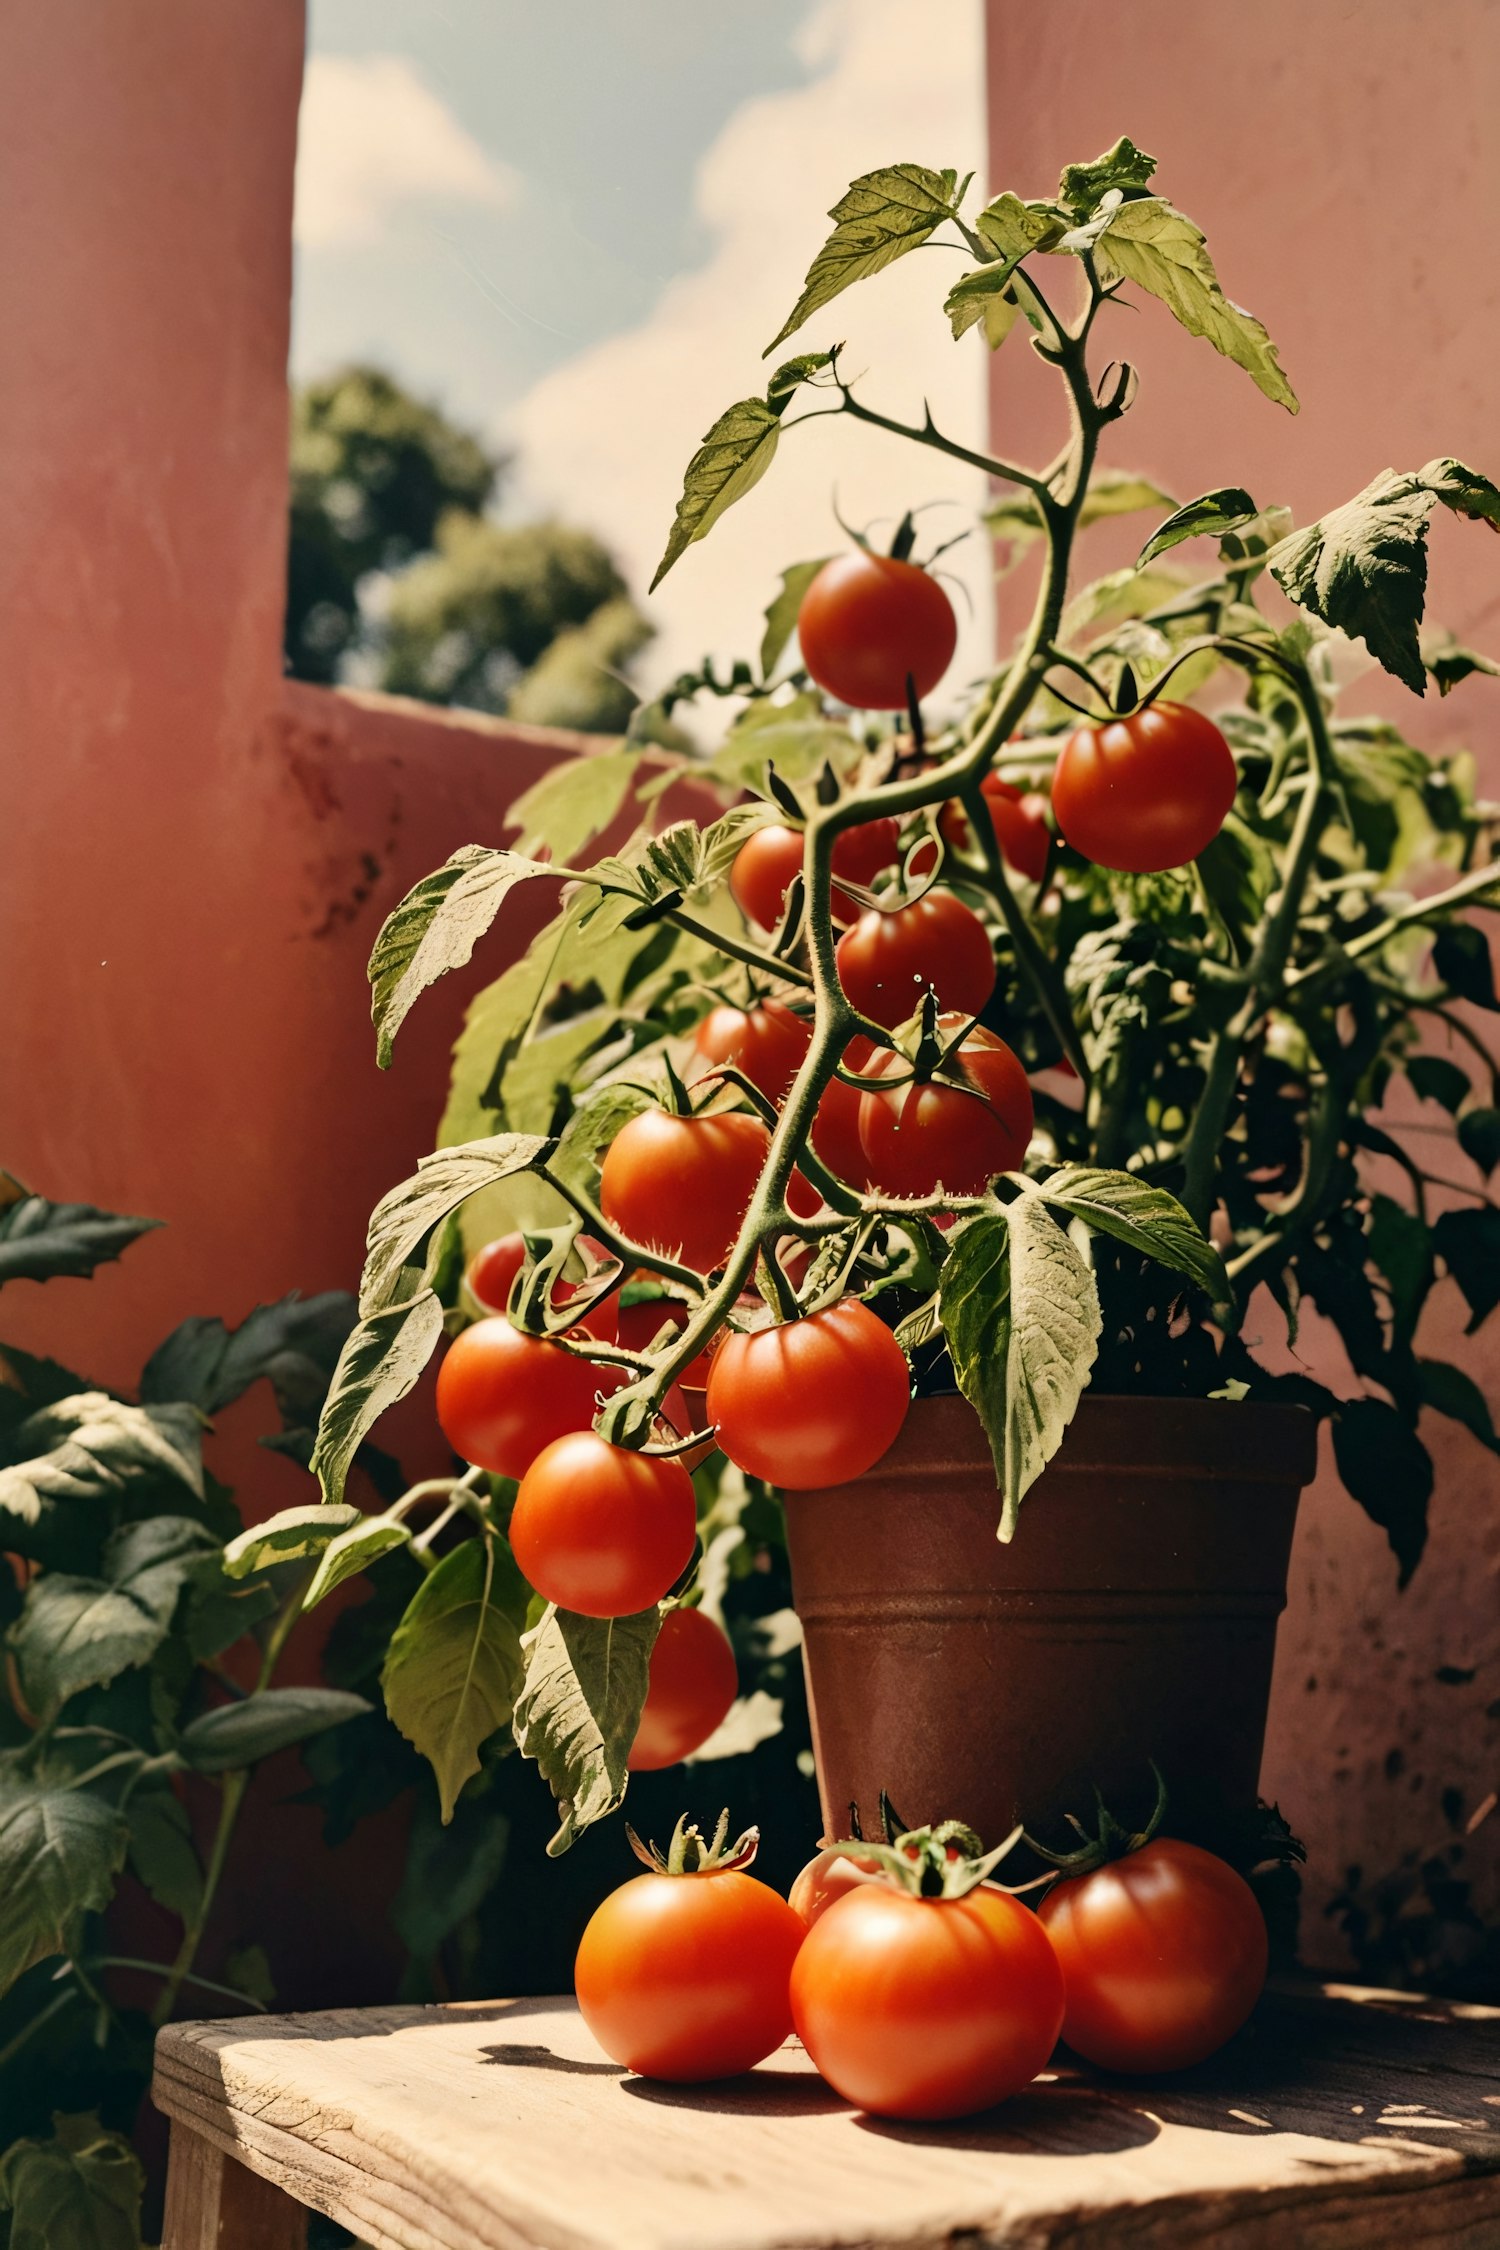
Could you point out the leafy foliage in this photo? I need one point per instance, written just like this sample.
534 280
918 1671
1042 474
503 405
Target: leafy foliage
579 1709
39 1240
878 218
454 1667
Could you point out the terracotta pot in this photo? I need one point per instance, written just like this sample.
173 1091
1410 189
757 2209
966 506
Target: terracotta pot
1132 1617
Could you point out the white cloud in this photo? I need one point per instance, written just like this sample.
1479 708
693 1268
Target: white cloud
605 437
372 139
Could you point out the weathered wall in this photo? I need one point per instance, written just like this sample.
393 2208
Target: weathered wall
1342 161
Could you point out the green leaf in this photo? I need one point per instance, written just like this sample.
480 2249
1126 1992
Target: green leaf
1462 958
1468 1242
1363 569
1447 661
1239 872
436 928
781 617
1448 1390
579 1709
573 803
75 1633
454 1668
1145 1218
406 1216
1383 1464
983 297
591 1128
1117 492
40 1240
1479 1138
162 1853
450 1871
1083 186
1438 1080
878 218
241 1734
735 454
91 1446
1224 509
79 2191
382 1359
1401 1247
290 1537
1009 228
353 1551
60 1851
1160 249
1463 490
1021 1314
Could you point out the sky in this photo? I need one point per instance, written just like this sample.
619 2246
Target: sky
576 226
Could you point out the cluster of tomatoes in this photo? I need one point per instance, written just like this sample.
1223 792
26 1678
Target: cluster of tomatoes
919 1987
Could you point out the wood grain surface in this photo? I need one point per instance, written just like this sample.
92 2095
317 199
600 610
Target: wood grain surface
1339 2120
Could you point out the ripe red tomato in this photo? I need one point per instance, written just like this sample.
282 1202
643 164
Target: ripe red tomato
685 1977
1147 793
768 1043
824 1879
492 1270
887 961
927 2007
601 1530
813 1402
835 1129
1019 819
764 867
502 1395
1163 1956
919 1137
694 1679
867 621
682 1185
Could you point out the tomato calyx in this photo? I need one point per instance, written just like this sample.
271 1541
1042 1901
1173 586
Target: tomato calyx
942 1862
689 1854
1109 1839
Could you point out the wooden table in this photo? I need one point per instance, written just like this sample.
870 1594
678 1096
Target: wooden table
1339 2120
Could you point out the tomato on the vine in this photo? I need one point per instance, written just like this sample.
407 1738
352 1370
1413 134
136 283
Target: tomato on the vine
601 1530
491 1270
764 866
1019 819
957 1131
813 1402
503 1395
888 961
1146 793
693 1681
868 622
1163 1956
767 1042
684 1975
927 2007
682 1185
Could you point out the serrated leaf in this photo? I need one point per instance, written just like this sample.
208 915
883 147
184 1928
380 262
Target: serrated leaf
407 1215
162 1853
454 1667
1021 1314
1462 958
1363 569
60 1851
878 218
1438 1080
781 617
379 1364
1463 490
734 455
1448 662
1145 1218
40 1241
983 297
1010 228
1159 248
573 803
236 1735
75 1632
1383 1464
1468 1242
578 1712
1224 509
1083 186
353 1551
1448 1390
90 1446
79 2191
290 1537
436 928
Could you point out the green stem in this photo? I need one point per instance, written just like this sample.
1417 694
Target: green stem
930 434
34 2024
619 1246
231 1797
160 1969
1470 886
738 949
1040 973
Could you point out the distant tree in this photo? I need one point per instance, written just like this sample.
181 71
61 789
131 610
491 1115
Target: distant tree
396 576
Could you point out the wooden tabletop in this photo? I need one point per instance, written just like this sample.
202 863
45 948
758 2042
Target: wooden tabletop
1341 2119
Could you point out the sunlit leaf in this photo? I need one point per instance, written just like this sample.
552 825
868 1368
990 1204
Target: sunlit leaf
454 1667
878 218
578 1712
436 928
1160 249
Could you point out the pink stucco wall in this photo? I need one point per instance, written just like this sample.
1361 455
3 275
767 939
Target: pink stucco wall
1342 160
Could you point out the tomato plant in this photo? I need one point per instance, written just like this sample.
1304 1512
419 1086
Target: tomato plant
600 1530
1019 819
683 1184
764 867
959 1129
502 1396
694 1679
888 961
929 1994
1147 792
813 1401
683 1972
767 1042
870 623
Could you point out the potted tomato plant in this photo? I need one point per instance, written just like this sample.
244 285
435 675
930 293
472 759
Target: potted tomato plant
998 1051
